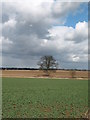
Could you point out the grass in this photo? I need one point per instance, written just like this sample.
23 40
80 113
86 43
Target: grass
44 98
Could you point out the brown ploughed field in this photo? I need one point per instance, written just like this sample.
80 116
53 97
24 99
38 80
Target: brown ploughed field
42 74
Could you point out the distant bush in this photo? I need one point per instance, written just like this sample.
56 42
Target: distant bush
73 73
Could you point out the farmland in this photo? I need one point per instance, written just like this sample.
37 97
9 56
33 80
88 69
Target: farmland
39 73
44 98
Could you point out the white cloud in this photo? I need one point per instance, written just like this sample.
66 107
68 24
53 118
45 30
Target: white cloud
77 34
66 38
10 23
5 43
75 58
63 8
82 27
41 9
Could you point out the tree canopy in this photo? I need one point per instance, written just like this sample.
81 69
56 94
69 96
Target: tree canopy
48 63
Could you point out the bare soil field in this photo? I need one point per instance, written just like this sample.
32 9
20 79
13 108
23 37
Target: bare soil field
42 74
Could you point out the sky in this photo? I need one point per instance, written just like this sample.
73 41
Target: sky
33 29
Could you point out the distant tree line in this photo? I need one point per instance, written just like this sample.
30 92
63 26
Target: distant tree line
15 68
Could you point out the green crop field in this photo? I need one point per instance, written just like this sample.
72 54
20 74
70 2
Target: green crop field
44 98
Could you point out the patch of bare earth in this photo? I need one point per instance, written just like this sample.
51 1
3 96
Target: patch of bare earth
87 114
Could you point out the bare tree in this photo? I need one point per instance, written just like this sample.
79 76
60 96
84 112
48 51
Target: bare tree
48 63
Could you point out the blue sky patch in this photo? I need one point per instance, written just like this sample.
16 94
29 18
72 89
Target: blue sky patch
80 16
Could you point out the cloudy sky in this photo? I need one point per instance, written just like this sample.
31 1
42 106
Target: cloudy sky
34 29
